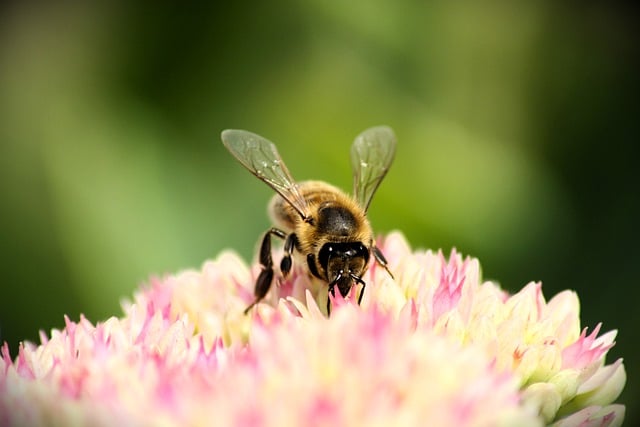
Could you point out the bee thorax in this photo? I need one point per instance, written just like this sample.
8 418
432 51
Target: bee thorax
335 220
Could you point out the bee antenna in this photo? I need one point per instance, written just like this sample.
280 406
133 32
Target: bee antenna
358 279
335 281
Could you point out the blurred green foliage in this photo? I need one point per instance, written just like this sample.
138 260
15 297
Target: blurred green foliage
517 128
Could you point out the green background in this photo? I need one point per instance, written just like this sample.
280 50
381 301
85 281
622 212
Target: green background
517 129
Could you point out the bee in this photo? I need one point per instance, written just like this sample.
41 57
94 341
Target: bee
327 227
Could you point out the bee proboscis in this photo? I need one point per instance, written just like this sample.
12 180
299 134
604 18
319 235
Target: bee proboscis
327 227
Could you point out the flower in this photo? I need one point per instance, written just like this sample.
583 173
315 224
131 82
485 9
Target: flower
435 345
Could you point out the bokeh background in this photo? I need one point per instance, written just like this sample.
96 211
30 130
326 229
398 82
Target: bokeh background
517 128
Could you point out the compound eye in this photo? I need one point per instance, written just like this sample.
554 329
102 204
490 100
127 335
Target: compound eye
326 252
363 252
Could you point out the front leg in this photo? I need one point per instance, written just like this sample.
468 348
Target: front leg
263 283
380 259
331 293
357 279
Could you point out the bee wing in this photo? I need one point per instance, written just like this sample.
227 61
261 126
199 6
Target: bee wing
371 156
261 158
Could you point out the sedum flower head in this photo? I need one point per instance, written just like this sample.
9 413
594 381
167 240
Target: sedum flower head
434 346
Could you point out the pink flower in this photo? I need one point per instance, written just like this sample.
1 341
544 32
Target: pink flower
434 346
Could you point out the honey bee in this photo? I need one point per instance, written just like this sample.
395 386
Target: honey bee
327 227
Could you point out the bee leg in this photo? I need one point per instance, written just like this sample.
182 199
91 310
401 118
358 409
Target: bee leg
332 291
266 275
381 260
364 285
289 244
262 287
311 263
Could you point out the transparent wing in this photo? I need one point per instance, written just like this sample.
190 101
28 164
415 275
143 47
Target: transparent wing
261 158
371 156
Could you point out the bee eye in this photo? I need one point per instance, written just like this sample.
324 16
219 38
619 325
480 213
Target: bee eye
325 253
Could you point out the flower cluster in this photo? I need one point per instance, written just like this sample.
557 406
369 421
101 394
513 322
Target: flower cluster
432 346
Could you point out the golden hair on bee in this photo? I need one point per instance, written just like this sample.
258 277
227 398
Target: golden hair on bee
327 227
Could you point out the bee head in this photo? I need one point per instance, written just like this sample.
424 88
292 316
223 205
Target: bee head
343 263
